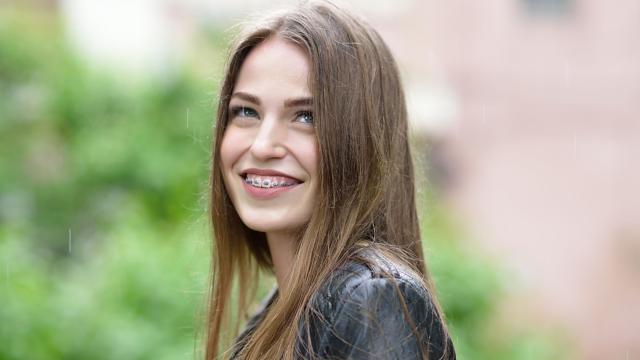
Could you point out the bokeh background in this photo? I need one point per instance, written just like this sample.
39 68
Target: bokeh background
526 133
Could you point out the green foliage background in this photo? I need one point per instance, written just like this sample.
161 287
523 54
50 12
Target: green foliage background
104 249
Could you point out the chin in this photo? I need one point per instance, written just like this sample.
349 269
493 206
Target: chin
266 225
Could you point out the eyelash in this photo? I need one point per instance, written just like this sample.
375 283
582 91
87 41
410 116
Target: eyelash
237 111
305 113
240 111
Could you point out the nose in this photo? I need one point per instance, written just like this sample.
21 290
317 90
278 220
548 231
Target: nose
269 140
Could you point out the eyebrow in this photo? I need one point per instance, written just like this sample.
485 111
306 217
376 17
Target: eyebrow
295 102
247 97
306 101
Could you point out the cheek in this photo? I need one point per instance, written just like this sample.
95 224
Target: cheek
230 149
311 157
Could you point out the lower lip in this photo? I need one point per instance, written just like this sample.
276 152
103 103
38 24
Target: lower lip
267 193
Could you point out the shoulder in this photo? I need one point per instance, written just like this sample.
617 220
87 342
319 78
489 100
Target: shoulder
362 282
379 285
361 313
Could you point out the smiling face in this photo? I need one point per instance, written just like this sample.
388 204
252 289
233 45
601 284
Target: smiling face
269 154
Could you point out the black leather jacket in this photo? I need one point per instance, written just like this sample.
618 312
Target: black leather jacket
358 315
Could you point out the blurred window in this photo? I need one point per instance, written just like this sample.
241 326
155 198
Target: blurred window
548 7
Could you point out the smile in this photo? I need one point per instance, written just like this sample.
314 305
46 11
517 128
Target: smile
262 181
265 188
264 184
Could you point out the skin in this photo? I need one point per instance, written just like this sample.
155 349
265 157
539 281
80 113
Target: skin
271 127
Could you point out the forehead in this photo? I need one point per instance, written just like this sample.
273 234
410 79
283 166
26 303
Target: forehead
276 67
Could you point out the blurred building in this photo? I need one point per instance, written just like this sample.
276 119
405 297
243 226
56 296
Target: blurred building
139 37
542 137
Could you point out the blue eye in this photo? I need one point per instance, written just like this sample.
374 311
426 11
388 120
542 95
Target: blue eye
244 112
305 117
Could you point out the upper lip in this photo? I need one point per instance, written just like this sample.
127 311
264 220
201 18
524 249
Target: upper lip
267 172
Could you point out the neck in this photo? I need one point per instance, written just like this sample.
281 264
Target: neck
281 247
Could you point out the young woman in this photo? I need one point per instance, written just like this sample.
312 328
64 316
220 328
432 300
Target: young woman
312 180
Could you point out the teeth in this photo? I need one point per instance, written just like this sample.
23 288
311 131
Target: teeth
267 182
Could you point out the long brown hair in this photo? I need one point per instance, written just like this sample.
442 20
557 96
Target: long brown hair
366 177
